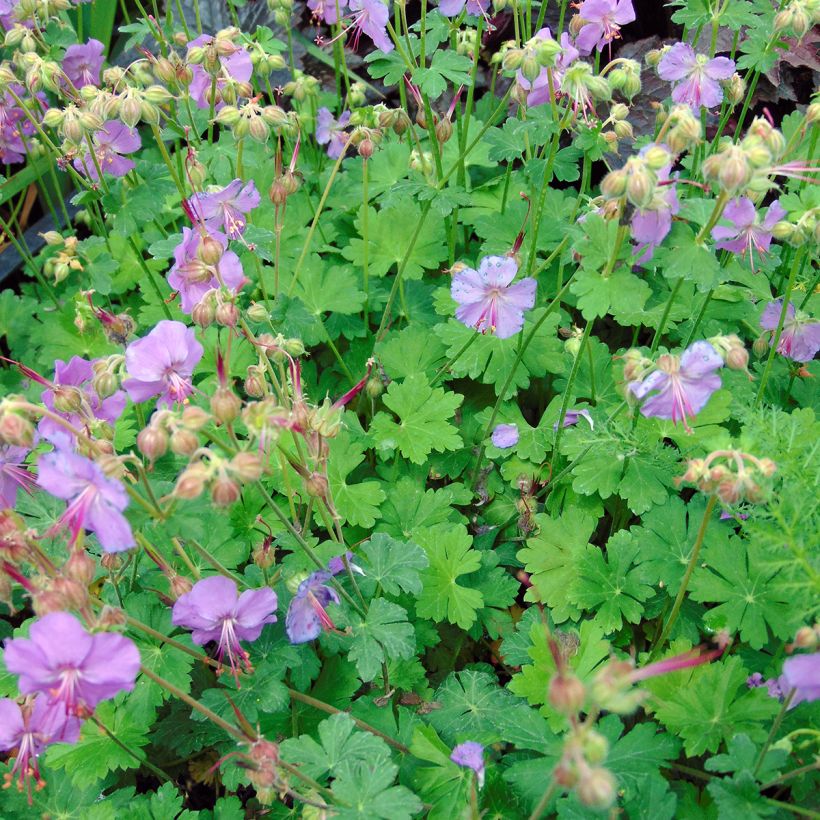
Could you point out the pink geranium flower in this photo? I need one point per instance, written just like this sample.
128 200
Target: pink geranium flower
370 17
747 233
95 502
13 474
70 667
539 89
800 338
110 143
215 611
161 364
82 63
452 8
330 131
602 22
694 76
680 388
225 209
487 299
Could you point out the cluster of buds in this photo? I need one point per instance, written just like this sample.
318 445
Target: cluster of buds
802 228
733 352
40 11
68 588
621 127
20 37
797 18
172 71
637 181
217 305
636 365
222 476
137 105
39 73
263 61
66 259
580 769
732 475
537 53
209 53
73 123
170 428
730 168
302 86
256 121
397 119
625 77
282 10
365 140
681 130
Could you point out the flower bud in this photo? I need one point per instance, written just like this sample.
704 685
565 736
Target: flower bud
225 405
737 358
316 485
595 747
566 694
806 638
623 129
204 312
184 442
80 567
613 185
640 183
191 482
210 250
179 585
152 442
68 399
257 312
246 466
16 429
657 157
596 788
619 111
227 314
254 385
653 57
224 491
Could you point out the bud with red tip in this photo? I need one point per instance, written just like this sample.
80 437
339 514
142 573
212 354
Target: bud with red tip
566 694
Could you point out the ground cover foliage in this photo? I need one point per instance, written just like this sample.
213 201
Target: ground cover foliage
409 445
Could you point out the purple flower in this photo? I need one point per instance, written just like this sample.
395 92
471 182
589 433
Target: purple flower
214 611
14 124
236 66
112 141
29 729
327 10
95 502
571 418
452 8
747 233
602 22
505 436
329 131
82 63
71 667
680 387
73 397
802 673
755 680
161 364
225 209
471 756
306 614
370 17
193 277
651 224
486 299
336 565
539 89
695 76
13 474
800 339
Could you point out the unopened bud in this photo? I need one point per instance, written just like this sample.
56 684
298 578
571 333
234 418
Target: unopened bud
224 491
225 405
227 314
246 466
191 482
566 694
316 485
806 638
152 442
80 567
596 788
180 585
257 312
210 250
184 442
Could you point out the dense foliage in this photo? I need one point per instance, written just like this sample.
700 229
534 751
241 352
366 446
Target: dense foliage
431 442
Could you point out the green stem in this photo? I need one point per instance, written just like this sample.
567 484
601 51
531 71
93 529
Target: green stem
573 373
690 568
720 204
141 760
365 242
667 310
545 799
219 567
796 264
772 732
449 363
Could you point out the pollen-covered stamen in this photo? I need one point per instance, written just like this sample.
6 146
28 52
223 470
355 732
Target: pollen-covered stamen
178 388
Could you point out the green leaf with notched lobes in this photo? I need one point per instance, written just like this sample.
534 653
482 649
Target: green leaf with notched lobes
424 425
384 633
357 503
394 565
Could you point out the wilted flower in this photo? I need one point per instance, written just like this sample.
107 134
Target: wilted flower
225 208
161 364
470 755
571 418
237 66
336 565
602 22
539 88
30 728
695 76
214 611
800 339
13 474
70 666
95 502
329 131
306 614
73 397
488 301
193 277
112 141
680 387
452 8
747 233
82 63
505 436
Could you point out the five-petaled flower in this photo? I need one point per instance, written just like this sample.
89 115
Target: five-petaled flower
330 131
82 63
694 76
95 502
487 299
112 141
602 22
70 667
681 386
470 755
800 337
215 611
747 233
452 8
161 364
31 727
225 209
